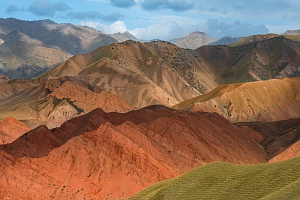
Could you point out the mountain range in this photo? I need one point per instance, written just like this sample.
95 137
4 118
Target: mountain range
167 74
87 115
30 48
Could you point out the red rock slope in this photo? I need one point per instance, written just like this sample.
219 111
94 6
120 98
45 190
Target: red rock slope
110 155
11 129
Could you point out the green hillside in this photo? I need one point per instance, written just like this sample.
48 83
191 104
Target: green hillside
229 181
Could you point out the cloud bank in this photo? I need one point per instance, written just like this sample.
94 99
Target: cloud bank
13 9
46 8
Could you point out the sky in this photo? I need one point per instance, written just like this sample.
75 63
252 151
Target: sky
164 19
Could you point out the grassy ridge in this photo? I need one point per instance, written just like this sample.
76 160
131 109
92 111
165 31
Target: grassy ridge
228 181
254 38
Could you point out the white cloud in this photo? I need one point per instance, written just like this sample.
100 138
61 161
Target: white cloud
118 26
168 27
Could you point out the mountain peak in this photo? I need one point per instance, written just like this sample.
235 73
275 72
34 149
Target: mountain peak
193 40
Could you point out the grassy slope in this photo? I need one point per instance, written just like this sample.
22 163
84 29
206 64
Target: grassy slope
228 181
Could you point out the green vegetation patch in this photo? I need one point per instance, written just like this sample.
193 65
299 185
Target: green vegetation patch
218 181
103 52
238 72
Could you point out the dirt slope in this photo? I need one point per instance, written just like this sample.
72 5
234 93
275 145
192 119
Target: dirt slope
110 155
271 100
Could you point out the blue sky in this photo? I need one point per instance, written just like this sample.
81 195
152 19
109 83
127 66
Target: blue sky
164 19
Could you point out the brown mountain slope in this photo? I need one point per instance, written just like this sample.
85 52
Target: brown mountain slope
278 136
193 40
12 87
110 155
253 38
271 100
169 72
291 152
11 129
52 102
277 57
165 74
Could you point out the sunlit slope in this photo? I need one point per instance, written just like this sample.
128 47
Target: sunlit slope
220 181
142 73
271 100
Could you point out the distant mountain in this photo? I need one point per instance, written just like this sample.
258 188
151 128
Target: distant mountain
30 48
65 37
292 32
24 57
226 40
122 37
193 41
